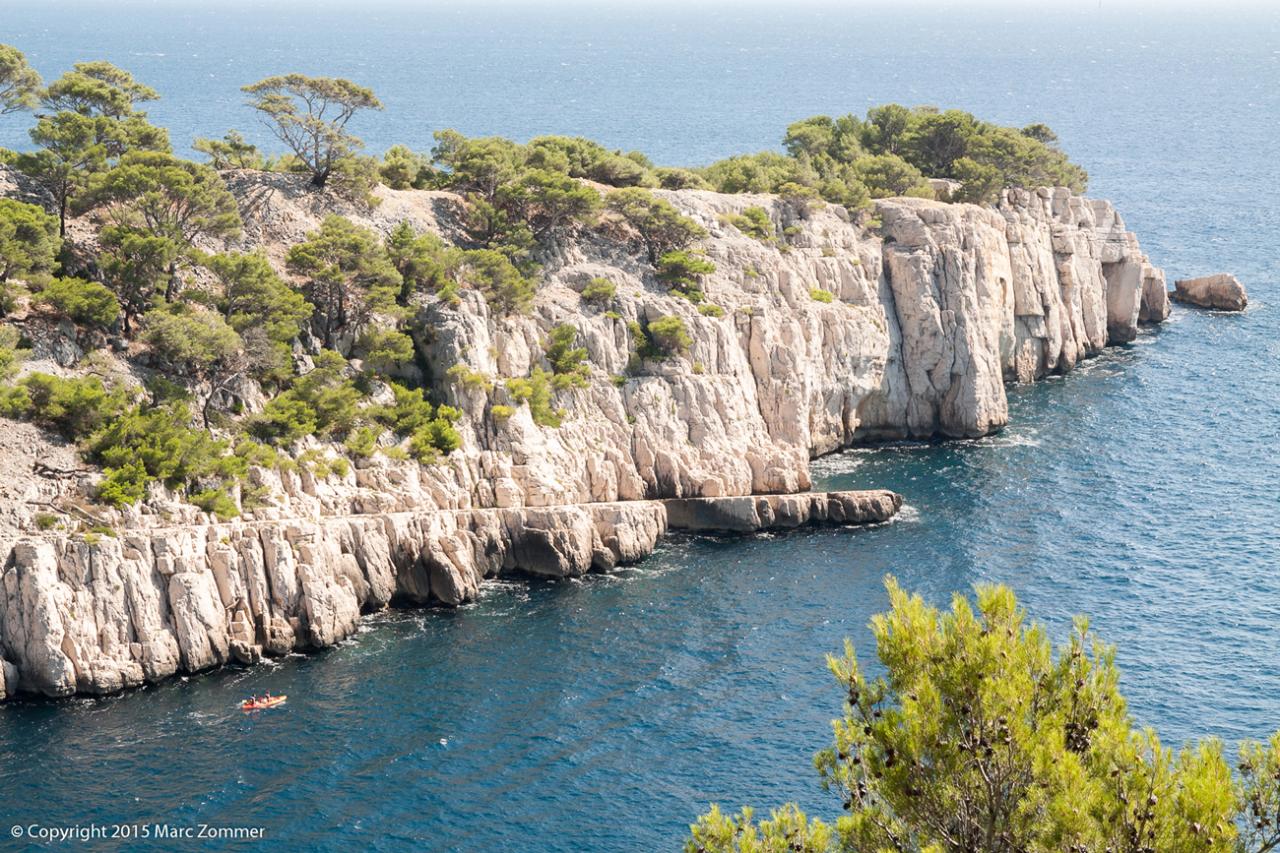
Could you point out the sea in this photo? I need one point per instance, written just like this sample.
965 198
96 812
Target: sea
604 714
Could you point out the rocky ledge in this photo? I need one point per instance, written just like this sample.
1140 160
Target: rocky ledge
104 617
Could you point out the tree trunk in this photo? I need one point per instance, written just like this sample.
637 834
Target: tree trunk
171 289
319 178
62 216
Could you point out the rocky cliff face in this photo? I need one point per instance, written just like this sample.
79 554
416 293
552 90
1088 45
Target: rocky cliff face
935 308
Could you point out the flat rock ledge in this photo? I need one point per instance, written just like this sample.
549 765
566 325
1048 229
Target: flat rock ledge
753 513
96 618
1221 291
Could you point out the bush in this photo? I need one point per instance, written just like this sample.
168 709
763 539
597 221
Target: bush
85 302
385 350
682 272
10 351
72 407
323 402
535 391
820 295
363 441
599 291
402 169
493 274
29 239
709 310
755 223
568 362
978 738
424 262
669 335
472 380
190 339
501 412
430 429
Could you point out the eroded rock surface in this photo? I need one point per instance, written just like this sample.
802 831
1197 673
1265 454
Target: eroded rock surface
933 309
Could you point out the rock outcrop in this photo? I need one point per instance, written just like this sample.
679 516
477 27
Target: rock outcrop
925 315
1221 291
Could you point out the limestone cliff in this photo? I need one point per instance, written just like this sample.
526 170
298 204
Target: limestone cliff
936 306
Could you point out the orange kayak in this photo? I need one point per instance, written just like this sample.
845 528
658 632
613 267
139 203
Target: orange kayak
251 705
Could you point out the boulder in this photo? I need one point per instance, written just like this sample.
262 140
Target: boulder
1222 291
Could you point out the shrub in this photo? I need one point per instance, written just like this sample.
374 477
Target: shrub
669 335
820 295
535 391
10 351
709 310
85 302
46 521
682 271
568 362
472 380
402 169
599 291
385 349
680 179
492 273
29 239
323 402
216 501
72 407
430 429
424 262
190 339
755 223
363 441
978 737
501 412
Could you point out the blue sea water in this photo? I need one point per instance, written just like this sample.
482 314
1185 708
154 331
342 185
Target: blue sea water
604 714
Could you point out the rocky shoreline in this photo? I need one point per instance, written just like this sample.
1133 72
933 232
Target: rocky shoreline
929 310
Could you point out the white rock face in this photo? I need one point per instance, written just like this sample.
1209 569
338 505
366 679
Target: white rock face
930 314
1221 290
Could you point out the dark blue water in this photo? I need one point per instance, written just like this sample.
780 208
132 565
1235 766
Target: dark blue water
605 714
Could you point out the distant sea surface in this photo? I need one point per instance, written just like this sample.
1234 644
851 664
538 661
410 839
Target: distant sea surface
605 714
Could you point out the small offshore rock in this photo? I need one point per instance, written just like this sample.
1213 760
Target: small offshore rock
1222 291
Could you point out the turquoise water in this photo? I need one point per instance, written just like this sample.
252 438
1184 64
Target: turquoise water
604 714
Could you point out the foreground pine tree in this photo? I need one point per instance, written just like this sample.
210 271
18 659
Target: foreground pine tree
978 738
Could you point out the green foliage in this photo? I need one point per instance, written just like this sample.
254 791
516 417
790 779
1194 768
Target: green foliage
362 441
548 202
403 169
887 175
680 179
682 271
492 273
753 173
424 261
385 350
501 412
164 196
86 302
349 275
429 429
191 340
29 239
11 353
310 115
322 402
755 223
135 264
535 391
232 151
89 120
73 407
980 183
255 297
978 738
568 362
817 294
472 380
661 227
481 166
19 82
46 520
709 310
599 291
669 336
155 443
